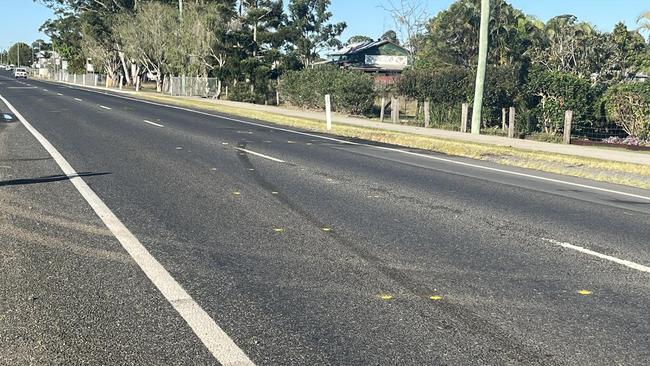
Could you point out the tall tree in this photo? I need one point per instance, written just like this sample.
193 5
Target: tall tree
310 29
20 54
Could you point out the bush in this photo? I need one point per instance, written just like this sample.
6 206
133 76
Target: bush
628 105
351 91
557 92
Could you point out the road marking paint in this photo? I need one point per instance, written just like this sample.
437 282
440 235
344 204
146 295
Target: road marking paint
153 123
386 297
237 193
327 229
45 90
278 230
333 139
22 87
222 347
274 192
584 292
78 99
638 267
105 107
260 155
435 297
59 94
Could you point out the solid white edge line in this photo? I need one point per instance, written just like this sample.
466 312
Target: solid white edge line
260 155
638 267
105 107
153 123
222 347
451 161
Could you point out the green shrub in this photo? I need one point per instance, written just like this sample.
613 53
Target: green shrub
351 91
628 105
557 92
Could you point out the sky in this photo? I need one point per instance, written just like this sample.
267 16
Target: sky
21 19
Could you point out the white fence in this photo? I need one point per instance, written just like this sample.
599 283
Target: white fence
178 85
192 86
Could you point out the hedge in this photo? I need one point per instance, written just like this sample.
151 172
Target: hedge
351 91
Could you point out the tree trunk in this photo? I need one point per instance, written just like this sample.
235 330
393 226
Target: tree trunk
127 77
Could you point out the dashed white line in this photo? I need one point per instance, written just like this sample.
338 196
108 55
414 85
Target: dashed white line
260 155
59 94
222 347
638 267
432 157
105 107
78 99
153 123
45 90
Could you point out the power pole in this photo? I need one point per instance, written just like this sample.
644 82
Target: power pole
18 53
480 72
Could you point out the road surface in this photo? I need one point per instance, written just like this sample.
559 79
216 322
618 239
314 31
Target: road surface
295 248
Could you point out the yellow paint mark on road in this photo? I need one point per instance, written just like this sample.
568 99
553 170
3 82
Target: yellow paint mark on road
584 292
386 297
327 229
236 193
278 230
435 297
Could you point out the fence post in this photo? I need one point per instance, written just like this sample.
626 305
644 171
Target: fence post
96 79
464 116
328 111
568 119
83 79
382 109
504 113
226 92
74 79
511 123
427 112
394 109
121 79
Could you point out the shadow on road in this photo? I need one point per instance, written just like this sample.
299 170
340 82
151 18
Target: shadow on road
47 179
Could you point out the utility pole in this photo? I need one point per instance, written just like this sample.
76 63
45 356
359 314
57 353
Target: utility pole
480 72
18 53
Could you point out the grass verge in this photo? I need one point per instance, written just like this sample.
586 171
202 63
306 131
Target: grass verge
635 175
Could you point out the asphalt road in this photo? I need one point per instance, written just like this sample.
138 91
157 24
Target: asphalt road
305 250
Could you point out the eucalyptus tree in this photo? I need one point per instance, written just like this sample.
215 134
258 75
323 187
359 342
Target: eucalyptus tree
150 35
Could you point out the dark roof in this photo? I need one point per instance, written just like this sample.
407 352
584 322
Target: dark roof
353 48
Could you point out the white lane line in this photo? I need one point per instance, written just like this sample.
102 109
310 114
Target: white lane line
153 123
260 155
222 347
45 90
451 161
22 87
105 107
638 267
59 94
78 99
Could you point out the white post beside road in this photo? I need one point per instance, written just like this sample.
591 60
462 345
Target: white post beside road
96 77
74 79
121 79
328 111
84 79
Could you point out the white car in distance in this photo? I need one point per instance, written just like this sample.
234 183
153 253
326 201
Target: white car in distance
20 73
